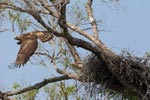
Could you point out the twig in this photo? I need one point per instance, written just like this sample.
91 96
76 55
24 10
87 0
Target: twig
71 75
47 7
80 31
45 54
38 18
75 55
91 18
37 85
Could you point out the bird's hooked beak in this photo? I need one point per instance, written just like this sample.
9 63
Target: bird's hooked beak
19 40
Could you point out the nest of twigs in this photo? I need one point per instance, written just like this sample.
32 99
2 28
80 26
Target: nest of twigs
128 73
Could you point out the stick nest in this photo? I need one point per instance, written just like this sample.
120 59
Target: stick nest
130 72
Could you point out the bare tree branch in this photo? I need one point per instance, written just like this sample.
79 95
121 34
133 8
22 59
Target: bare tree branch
91 18
37 17
37 85
45 54
71 75
5 5
47 7
75 55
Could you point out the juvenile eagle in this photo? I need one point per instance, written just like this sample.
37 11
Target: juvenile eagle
29 44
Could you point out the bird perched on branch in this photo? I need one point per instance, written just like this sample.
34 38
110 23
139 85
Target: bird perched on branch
28 44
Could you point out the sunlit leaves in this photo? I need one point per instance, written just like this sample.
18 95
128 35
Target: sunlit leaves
18 20
16 86
147 54
78 13
70 89
12 16
61 91
31 95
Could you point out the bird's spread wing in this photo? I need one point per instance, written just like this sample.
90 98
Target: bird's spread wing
28 44
43 36
27 49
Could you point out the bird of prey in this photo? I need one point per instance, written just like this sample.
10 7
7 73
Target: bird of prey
28 44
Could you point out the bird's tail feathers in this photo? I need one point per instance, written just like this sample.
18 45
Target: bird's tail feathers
21 60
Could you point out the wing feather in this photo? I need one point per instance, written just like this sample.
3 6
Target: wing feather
27 49
28 44
43 36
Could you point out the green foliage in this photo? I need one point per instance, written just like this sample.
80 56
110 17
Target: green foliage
2 0
129 96
13 16
77 13
125 95
16 86
51 91
70 89
147 54
31 95
21 22
61 91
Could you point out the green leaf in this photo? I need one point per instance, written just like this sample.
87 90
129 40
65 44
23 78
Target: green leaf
16 86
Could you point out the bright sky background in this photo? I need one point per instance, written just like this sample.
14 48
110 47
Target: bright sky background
127 26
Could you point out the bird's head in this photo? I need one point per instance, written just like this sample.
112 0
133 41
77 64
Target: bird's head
19 38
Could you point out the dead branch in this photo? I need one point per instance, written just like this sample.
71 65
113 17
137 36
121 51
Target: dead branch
78 63
36 86
91 18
